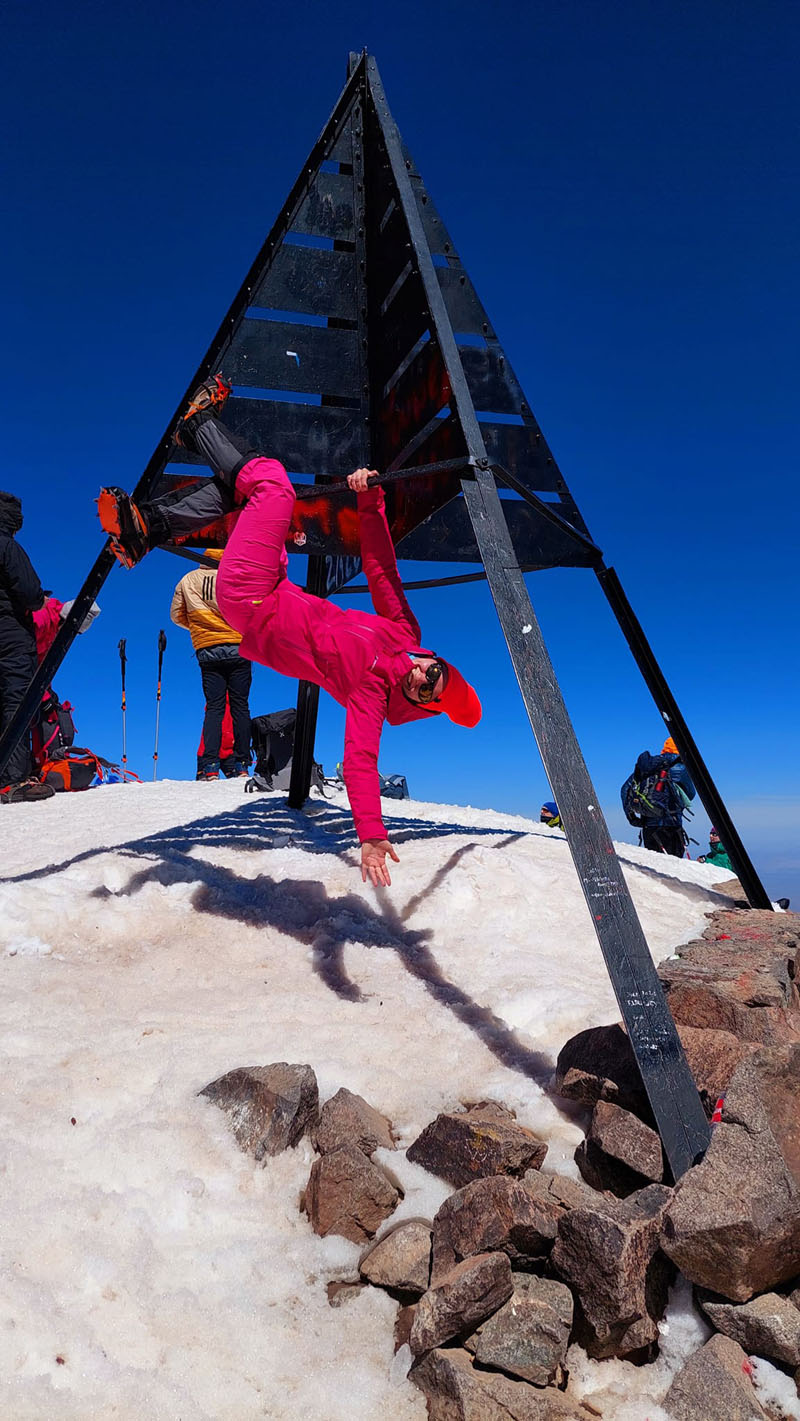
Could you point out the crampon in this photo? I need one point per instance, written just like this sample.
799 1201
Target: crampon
126 528
211 395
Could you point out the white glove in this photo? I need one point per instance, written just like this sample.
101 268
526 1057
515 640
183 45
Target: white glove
94 611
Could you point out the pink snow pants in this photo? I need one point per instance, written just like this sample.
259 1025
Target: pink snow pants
255 561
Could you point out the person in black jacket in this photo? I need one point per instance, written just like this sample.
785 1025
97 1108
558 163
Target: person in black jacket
20 595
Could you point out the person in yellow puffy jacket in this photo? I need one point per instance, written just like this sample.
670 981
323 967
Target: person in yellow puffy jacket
226 675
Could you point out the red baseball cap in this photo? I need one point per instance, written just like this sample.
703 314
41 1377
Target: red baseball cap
459 700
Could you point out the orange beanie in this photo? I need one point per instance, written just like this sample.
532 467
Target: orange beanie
458 699
669 747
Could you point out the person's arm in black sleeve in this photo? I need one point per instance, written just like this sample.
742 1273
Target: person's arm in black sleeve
23 585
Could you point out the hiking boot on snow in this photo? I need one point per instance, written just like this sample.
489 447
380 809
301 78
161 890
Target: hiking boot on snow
125 525
26 792
211 396
208 773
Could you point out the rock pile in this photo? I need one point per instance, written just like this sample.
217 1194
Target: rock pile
518 1264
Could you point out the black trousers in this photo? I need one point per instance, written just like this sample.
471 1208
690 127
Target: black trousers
226 675
666 840
185 510
17 665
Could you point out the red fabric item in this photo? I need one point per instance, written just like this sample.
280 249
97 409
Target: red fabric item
358 658
46 622
226 745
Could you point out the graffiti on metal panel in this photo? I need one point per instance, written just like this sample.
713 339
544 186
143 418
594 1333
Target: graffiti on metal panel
339 571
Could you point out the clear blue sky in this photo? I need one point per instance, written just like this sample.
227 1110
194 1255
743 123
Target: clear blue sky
621 182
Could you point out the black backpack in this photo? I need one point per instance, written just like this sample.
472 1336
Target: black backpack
53 731
272 738
650 795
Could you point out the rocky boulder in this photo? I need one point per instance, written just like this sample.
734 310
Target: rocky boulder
529 1335
402 1259
349 1195
620 1152
456 1391
495 1214
769 1326
479 1141
713 1057
599 1064
714 1385
460 1300
609 1253
347 1119
269 1108
733 1225
739 977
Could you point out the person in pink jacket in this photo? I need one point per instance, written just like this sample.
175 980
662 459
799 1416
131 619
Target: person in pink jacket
374 665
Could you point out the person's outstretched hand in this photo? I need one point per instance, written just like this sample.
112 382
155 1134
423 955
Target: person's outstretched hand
358 480
373 859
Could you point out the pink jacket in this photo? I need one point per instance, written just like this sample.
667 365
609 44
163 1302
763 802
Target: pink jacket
357 657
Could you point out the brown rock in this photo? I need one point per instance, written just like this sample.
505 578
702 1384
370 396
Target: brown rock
529 1335
269 1107
739 977
475 1143
402 1259
455 1391
599 1064
608 1251
733 1225
403 1324
714 1385
713 1057
769 1326
620 1152
349 1195
495 1214
462 1298
557 1192
341 1292
347 1119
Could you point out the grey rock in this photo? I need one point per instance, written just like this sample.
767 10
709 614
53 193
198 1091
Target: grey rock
462 1298
474 1143
349 1195
347 1119
608 1252
768 1326
529 1335
714 1385
402 1259
733 1225
456 1391
620 1152
269 1108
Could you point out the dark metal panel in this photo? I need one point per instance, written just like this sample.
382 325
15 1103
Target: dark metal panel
668 1081
277 355
437 234
447 536
395 334
327 211
308 280
308 439
467 315
418 395
492 383
523 451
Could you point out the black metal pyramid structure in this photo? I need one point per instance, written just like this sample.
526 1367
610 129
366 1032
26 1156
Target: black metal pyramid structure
357 339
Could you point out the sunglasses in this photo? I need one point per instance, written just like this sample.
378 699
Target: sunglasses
426 690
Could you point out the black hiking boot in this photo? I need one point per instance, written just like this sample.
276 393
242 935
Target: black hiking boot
125 525
210 396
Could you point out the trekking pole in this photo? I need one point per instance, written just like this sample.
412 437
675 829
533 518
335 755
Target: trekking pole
162 645
122 660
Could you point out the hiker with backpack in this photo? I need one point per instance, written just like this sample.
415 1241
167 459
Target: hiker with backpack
373 664
655 798
226 675
20 596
